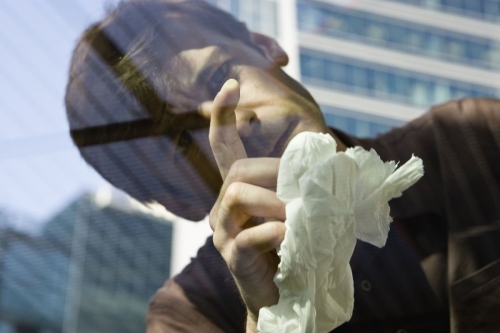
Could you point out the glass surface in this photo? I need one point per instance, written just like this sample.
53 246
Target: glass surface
132 131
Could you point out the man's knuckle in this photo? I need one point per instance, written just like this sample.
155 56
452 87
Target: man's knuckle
273 230
244 243
234 194
237 170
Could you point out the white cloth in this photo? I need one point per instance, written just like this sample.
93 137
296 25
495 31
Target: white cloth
331 199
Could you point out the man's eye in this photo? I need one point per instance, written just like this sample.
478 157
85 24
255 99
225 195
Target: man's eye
218 79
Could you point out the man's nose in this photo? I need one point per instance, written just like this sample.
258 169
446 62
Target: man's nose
245 120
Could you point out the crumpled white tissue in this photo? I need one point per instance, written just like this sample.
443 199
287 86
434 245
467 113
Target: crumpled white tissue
331 199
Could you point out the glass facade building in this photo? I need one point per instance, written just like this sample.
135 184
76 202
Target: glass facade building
481 9
393 84
360 52
370 59
93 268
397 34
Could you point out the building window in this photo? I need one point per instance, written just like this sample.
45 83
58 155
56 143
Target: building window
335 21
259 15
383 82
357 123
488 10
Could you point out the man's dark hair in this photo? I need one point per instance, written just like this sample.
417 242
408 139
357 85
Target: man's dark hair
117 97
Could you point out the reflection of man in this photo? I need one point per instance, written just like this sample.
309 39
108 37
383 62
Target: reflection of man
149 84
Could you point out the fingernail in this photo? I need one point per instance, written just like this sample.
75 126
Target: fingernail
230 84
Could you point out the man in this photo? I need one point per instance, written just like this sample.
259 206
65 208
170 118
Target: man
155 79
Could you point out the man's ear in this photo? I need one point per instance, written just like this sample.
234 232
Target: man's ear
271 48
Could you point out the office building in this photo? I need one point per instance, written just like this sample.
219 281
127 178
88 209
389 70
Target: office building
372 65
93 269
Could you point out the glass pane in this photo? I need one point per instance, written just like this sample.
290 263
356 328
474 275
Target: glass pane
224 4
306 64
435 44
376 30
473 5
455 47
432 4
415 38
458 93
312 67
334 23
397 34
335 72
419 92
401 85
475 51
256 15
362 128
308 18
441 93
492 8
357 25
381 83
360 77
341 123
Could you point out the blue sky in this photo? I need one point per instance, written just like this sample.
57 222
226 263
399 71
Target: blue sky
40 169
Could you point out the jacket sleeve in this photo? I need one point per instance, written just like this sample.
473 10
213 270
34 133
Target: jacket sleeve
171 311
467 137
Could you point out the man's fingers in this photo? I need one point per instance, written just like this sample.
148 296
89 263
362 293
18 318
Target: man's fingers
253 201
240 252
224 139
252 242
241 202
261 172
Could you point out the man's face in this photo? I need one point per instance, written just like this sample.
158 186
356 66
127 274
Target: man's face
273 108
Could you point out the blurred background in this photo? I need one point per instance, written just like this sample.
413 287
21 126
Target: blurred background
77 255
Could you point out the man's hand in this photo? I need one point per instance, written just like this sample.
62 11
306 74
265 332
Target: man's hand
245 241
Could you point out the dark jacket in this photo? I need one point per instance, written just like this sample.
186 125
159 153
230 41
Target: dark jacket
440 269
